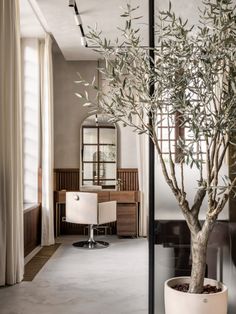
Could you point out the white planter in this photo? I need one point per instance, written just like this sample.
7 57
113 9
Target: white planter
177 302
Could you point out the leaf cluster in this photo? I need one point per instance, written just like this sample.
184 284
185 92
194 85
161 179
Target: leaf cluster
194 77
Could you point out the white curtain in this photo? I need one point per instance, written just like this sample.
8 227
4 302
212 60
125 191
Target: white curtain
143 149
47 140
11 183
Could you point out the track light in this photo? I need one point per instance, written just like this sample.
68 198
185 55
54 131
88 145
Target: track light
78 20
83 41
71 3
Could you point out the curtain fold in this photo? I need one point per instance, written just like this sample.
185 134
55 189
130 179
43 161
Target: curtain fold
143 148
11 183
47 158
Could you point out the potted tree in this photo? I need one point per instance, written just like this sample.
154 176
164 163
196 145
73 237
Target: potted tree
193 74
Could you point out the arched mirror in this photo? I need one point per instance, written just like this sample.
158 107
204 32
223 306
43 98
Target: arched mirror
98 166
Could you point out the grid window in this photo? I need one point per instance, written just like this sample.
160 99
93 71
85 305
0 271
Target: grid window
170 131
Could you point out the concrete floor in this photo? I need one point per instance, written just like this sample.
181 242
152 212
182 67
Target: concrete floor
75 281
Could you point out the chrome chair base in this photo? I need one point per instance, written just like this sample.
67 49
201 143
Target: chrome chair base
91 245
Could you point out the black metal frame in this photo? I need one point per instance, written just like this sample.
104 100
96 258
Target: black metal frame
98 162
151 222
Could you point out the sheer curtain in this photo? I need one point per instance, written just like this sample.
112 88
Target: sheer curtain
11 183
47 140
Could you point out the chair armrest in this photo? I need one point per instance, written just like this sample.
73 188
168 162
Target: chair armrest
106 212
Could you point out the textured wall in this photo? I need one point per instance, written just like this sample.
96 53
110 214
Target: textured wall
69 114
68 109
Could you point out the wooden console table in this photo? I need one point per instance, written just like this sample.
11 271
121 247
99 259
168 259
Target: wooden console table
127 209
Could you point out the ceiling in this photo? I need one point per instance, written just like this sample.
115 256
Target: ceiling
56 17
59 20
29 24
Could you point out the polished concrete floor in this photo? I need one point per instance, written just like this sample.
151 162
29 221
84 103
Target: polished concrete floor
77 281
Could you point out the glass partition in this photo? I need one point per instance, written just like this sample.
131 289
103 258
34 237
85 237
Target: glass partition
170 248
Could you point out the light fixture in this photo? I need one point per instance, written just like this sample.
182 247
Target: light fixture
71 3
78 22
83 41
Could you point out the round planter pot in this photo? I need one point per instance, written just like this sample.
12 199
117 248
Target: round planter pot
177 302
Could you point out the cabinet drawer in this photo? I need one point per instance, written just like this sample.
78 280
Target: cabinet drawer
126 220
103 197
123 196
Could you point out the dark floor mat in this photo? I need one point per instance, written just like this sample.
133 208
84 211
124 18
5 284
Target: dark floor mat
38 261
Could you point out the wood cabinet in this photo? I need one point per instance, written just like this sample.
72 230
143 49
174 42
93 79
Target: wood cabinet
124 196
103 197
127 219
127 210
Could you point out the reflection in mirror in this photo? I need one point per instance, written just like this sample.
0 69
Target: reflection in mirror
98 152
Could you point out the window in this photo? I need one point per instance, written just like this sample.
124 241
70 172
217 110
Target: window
170 132
99 156
31 113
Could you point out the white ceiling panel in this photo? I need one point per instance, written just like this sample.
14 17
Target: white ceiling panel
29 24
57 17
103 13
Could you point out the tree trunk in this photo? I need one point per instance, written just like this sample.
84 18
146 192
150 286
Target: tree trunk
199 251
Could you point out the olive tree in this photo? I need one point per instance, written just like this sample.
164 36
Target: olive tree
193 74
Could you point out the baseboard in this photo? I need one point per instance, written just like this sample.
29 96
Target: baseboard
32 254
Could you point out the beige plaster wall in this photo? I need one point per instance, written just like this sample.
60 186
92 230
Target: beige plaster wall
68 110
69 114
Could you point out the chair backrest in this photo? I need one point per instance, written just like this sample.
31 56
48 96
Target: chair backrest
81 207
107 212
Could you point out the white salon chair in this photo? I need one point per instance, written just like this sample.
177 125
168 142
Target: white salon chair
83 208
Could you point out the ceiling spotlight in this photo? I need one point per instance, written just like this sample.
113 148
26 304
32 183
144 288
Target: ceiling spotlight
83 41
71 3
78 20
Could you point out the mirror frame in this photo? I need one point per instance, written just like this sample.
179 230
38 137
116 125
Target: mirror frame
97 187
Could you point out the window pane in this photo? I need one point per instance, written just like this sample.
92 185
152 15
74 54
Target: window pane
90 171
166 120
107 171
90 153
165 146
107 136
107 153
168 133
90 135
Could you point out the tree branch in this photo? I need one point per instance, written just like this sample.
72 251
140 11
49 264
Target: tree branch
221 203
198 199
